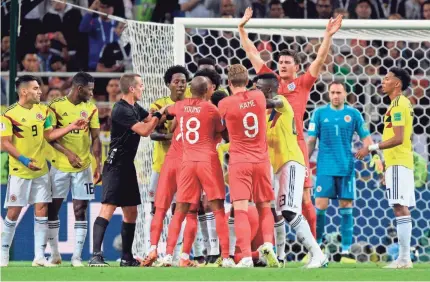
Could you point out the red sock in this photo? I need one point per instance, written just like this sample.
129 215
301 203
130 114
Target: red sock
223 233
267 223
243 232
308 211
157 225
190 232
174 230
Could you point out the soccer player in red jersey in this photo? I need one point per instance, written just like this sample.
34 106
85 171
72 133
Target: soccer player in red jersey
249 168
200 124
295 88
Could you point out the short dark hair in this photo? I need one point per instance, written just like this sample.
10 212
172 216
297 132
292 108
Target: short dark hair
109 3
217 96
82 79
25 79
126 81
290 53
274 2
172 70
268 75
214 77
206 61
403 75
336 83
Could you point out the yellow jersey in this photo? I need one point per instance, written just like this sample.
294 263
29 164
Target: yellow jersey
64 112
27 127
400 113
282 136
161 147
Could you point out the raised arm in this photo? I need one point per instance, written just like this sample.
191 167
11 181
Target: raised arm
332 27
249 47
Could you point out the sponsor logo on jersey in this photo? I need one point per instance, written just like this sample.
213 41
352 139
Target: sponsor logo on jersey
65 114
84 114
23 120
347 118
12 198
326 120
39 116
291 86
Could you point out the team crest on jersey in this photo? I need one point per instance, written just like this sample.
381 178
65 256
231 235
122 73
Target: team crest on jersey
84 114
319 189
347 118
12 198
291 86
39 116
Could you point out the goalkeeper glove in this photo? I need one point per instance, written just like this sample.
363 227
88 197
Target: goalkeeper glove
376 162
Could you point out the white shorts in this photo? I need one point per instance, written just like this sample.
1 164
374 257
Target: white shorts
21 192
153 186
290 178
81 184
400 186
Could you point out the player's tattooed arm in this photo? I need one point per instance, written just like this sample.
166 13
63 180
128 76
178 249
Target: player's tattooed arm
249 47
274 103
312 141
74 160
332 27
157 136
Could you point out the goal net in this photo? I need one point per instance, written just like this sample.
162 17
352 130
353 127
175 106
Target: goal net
361 54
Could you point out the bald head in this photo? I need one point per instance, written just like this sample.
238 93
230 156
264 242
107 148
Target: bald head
199 86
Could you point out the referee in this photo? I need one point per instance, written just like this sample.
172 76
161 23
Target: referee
120 189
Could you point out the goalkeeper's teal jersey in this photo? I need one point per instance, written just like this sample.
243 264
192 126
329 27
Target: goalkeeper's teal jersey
335 130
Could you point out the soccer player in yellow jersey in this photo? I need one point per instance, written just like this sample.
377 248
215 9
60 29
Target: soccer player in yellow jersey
175 79
24 127
288 165
397 149
71 162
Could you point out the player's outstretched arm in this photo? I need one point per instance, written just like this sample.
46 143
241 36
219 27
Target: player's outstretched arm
251 51
54 134
157 136
74 160
332 27
394 141
7 146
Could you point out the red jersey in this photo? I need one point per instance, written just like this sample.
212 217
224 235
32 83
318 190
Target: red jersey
297 93
245 117
199 123
175 149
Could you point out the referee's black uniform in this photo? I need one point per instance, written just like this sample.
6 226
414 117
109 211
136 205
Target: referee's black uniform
120 187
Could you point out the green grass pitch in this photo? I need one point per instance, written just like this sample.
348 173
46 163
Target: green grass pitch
20 271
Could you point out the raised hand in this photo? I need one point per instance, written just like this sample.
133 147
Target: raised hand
334 25
246 17
32 165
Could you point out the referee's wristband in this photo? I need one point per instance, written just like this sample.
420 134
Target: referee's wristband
24 160
157 115
373 147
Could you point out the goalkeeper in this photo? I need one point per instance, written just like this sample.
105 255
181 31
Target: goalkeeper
334 125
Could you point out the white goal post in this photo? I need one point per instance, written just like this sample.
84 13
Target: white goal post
361 53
